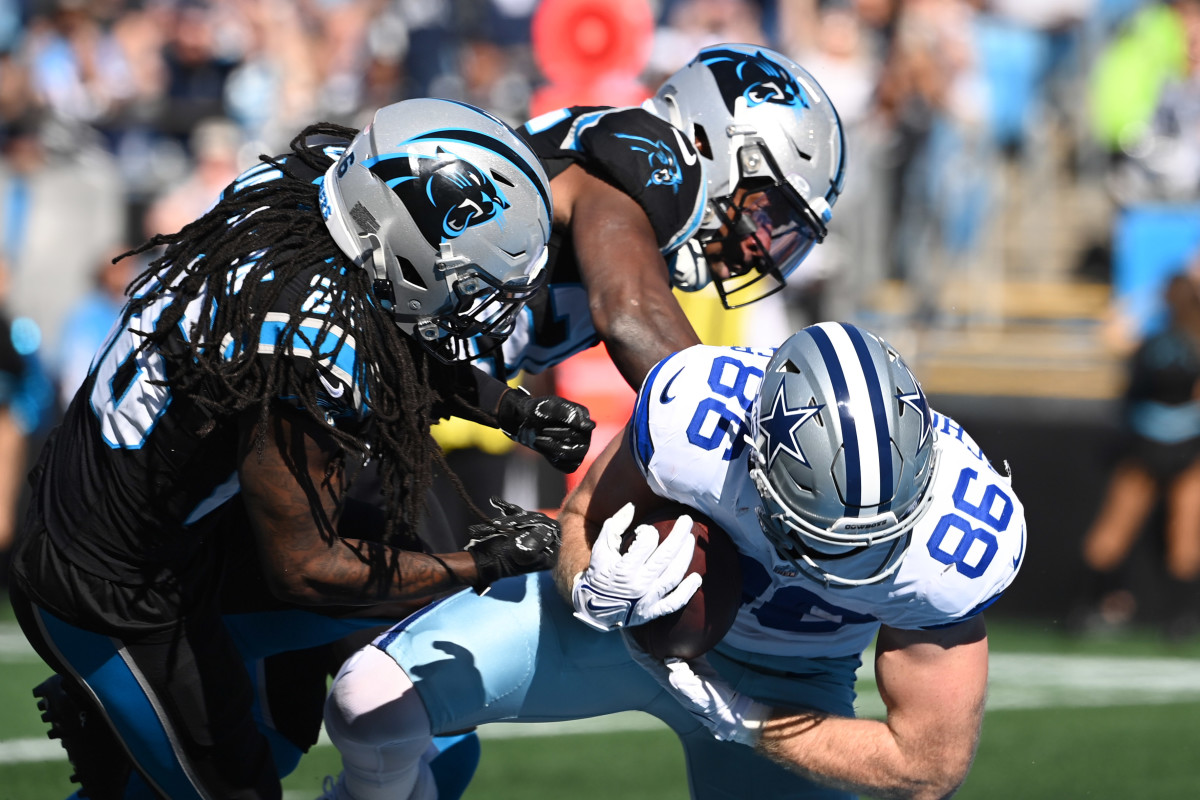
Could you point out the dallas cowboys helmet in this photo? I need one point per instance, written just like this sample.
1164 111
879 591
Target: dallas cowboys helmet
451 211
774 155
843 454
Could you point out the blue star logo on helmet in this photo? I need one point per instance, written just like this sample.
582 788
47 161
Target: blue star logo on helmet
755 77
781 424
444 193
664 167
917 402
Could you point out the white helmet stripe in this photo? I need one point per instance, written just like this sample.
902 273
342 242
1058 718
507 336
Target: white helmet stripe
855 386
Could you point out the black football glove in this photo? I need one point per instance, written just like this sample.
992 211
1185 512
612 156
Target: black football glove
519 542
558 429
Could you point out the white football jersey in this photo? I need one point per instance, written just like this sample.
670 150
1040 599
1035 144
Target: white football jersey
689 437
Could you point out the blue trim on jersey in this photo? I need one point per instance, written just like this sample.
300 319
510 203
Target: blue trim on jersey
640 441
582 123
842 394
973 612
261 173
693 224
544 122
346 358
883 441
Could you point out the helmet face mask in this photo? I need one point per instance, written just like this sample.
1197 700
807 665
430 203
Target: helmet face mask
763 125
758 234
483 307
843 454
451 211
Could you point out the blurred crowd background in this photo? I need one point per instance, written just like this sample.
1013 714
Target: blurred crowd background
1016 167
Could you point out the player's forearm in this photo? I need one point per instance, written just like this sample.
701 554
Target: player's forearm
575 553
866 757
638 340
359 573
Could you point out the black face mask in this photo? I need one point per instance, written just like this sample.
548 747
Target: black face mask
764 236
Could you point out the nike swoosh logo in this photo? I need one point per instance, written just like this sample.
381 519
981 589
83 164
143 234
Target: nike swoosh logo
686 151
663 397
1017 557
603 609
334 392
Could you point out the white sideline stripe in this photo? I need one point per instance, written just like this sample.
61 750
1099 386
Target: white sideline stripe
1017 681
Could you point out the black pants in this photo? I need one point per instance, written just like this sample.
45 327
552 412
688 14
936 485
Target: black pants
174 691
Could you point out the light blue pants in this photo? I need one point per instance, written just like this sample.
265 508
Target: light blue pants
516 654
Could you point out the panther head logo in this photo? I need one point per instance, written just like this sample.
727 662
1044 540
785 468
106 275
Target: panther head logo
445 194
664 167
754 77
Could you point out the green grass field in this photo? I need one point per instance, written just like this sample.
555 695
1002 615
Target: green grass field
1113 718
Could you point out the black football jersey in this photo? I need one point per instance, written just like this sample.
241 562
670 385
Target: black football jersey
643 156
125 483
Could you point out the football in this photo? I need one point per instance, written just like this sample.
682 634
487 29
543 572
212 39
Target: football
704 621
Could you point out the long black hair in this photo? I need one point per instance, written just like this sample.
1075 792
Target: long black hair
229 268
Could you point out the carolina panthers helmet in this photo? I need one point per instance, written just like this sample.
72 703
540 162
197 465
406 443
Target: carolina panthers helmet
774 154
451 210
843 454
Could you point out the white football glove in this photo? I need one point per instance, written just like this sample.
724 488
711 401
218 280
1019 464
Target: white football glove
729 715
620 590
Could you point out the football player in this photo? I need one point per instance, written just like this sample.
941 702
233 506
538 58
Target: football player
860 515
727 175
317 314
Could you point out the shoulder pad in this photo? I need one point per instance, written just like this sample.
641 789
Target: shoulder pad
640 154
654 163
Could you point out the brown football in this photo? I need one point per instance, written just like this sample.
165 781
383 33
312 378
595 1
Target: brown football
704 621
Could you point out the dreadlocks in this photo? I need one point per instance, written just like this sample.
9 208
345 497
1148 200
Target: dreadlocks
222 273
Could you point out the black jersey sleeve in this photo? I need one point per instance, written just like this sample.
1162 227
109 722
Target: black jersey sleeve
640 154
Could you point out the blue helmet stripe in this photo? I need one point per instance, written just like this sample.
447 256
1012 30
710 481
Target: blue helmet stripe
879 411
841 392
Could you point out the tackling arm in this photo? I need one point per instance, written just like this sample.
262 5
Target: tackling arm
629 290
933 684
292 486
612 481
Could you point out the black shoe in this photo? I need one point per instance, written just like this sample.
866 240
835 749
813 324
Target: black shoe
101 765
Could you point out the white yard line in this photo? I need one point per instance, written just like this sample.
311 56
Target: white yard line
1016 681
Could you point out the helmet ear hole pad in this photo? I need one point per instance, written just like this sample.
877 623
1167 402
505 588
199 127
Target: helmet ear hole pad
703 147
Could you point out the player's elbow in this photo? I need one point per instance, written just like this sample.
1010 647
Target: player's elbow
941 779
297 585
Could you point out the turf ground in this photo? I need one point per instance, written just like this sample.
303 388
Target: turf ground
1067 718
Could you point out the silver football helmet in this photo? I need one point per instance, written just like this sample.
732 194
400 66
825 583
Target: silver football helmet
774 154
843 454
451 210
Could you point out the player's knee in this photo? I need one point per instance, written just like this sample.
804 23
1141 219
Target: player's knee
373 702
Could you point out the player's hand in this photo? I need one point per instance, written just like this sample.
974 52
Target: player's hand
518 542
645 582
729 715
556 428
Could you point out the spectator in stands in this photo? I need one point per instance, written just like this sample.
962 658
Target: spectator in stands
214 144
88 324
26 403
1163 162
57 187
1160 460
